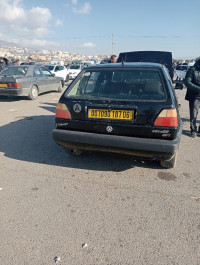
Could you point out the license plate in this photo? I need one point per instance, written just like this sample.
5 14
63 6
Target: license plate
110 114
3 85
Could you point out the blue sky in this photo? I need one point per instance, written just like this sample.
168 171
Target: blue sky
86 26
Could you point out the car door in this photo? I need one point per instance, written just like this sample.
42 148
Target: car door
50 79
39 79
60 71
63 71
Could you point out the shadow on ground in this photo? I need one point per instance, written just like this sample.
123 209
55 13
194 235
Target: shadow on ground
29 139
11 98
188 132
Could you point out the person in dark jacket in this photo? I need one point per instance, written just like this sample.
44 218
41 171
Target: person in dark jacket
17 62
113 58
30 60
2 64
192 82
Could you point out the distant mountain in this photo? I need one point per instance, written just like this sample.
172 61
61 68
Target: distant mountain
7 43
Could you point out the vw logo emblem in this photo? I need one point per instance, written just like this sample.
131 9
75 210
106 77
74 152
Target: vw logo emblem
77 108
109 129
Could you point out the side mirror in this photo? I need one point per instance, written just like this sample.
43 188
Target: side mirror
53 74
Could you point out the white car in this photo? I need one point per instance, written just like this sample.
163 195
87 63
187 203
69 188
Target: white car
181 71
58 70
75 69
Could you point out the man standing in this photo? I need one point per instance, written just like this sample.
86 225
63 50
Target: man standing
192 82
113 58
17 62
30 60
2 64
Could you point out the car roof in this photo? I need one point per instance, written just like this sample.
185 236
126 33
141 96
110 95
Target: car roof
24 65
183 65
128 65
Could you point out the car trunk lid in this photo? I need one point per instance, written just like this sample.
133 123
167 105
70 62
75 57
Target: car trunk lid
126 118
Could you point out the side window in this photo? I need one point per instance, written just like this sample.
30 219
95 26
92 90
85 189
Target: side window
57 68
61 68
37 72
87 84
46 72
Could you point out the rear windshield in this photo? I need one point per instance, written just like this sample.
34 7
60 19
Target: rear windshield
125 84
50 67
10 71
181 67
74 67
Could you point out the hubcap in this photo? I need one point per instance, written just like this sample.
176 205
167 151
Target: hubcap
34 92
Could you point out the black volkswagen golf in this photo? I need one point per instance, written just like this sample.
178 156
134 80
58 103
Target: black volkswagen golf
126 108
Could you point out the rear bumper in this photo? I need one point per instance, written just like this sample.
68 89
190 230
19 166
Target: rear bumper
72 76
11 92
139 147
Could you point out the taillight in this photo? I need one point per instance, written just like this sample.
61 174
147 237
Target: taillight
167 118
14 85
62 111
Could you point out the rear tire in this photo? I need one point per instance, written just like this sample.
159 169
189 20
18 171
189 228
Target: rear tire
60 86
67 78
33 93
169 163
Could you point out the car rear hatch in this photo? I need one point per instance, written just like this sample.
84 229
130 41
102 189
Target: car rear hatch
9 82
161 57
10 77
128 108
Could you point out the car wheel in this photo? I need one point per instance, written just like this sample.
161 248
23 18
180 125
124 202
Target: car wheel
33 93
60 86
67 78
169 163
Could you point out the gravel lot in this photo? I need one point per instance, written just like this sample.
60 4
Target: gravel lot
95 208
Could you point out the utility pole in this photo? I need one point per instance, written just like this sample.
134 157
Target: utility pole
112 42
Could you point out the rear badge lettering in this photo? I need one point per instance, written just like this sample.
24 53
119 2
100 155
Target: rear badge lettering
77 108
62 124
160 131
109 129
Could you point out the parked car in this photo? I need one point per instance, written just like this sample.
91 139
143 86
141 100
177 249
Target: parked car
126 108
88 63
75 69
28 80
26 63
58 70
106 60
181 71
161 57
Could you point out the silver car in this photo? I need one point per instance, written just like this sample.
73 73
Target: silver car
28 80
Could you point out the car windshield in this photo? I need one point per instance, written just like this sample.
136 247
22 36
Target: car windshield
74 67
182 67
49 67
20 71
125 84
